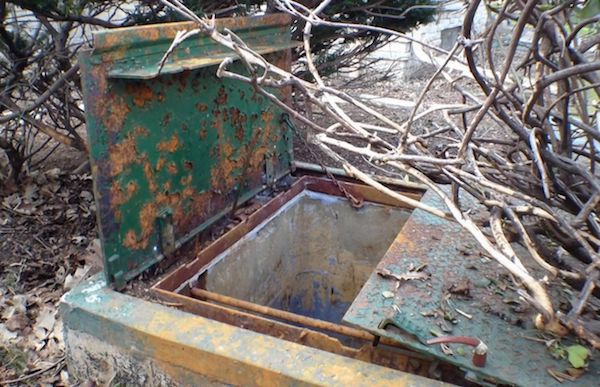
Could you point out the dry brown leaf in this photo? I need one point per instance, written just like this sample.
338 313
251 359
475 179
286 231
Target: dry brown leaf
72 280
44 323
18 305
54 173
17 322
575 372
93 256
462 287
386 273
7 336
86 195
446 350
30 192
12 201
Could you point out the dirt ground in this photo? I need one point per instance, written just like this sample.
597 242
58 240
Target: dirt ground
47 232
48 239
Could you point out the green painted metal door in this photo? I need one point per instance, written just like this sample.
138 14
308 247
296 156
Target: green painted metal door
172 153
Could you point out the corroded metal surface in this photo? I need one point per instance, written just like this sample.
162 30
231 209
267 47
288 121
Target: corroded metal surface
172 153
184 273
186 344
134 52
389 355
460 278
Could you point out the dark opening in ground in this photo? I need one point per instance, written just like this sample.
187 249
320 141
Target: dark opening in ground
311 257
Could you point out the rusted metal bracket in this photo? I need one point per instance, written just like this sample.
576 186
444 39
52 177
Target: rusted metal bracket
269 175
166 232
118 276
479 351
356 201
407 326
404 324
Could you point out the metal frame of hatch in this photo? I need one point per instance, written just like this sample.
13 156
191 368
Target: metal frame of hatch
178 287
166 168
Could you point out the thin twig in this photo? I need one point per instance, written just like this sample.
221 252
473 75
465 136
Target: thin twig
35 373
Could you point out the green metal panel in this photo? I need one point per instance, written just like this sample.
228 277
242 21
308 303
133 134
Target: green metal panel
449 254
172 153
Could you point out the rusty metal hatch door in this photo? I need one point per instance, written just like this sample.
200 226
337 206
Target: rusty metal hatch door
172 153
464 294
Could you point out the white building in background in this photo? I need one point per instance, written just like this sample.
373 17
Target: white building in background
403 56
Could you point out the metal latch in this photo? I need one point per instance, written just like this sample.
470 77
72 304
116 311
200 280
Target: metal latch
166 232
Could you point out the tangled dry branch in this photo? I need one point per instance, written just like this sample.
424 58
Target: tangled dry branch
536 176
40 96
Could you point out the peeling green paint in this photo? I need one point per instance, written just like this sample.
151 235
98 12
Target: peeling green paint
171 153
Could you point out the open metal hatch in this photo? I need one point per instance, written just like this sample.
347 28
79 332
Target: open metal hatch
466 294
172 152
